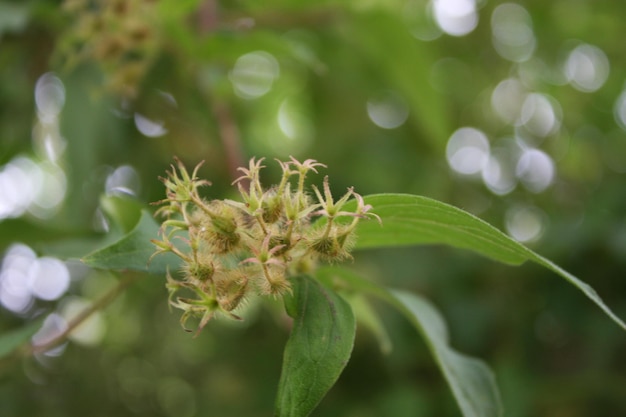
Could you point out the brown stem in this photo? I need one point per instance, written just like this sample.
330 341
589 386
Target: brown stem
229 135
207 16
208 21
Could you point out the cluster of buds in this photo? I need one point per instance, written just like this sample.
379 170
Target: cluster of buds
232 248
121 37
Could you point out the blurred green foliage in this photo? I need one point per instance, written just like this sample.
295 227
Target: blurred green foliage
142 81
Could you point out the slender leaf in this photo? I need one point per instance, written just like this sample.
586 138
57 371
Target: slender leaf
13 339
411 220
379 41
133 251
367 317
318 348
38 234
471 381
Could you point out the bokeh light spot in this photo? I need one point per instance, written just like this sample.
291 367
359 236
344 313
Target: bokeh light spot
49 278
507 100
24 277
498 174
26 185
52 191
587 68
91 331
420 21
294 123
49 97
124 180
525 223
535 169
456 17
512 32
253 74
53 326
148 127
15 293
540 115
619 110
467 151
387 110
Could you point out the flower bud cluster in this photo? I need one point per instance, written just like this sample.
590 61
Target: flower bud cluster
232 248
120 37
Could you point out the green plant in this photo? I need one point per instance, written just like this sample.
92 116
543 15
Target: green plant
269 245
98 95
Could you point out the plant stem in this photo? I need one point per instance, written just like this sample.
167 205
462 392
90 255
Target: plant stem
99 304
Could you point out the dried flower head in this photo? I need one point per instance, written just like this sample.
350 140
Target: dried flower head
233 248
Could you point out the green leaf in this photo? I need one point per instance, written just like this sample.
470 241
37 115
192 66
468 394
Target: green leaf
318 348
38 234
13 17
411 220
134 250
367 317
13 339
472 382
124 212
382 40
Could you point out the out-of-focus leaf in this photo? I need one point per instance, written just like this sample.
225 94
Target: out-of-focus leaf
133 251
318 349
124 212
13 16
11 340
384 41
94 139
34 233
368 317
471 381
411 220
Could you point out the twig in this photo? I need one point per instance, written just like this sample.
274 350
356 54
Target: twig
229 135
99 304
207 16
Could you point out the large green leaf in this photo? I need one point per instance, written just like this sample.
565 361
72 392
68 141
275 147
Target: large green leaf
472 382
318 348
411 220
134 250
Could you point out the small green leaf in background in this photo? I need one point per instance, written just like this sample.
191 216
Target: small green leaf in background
367 317
13 17
133 251
411 220
318 349
13 339
123 212
472 382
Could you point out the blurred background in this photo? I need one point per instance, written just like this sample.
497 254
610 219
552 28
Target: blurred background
513 111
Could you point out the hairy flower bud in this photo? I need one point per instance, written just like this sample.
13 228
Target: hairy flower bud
235 247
